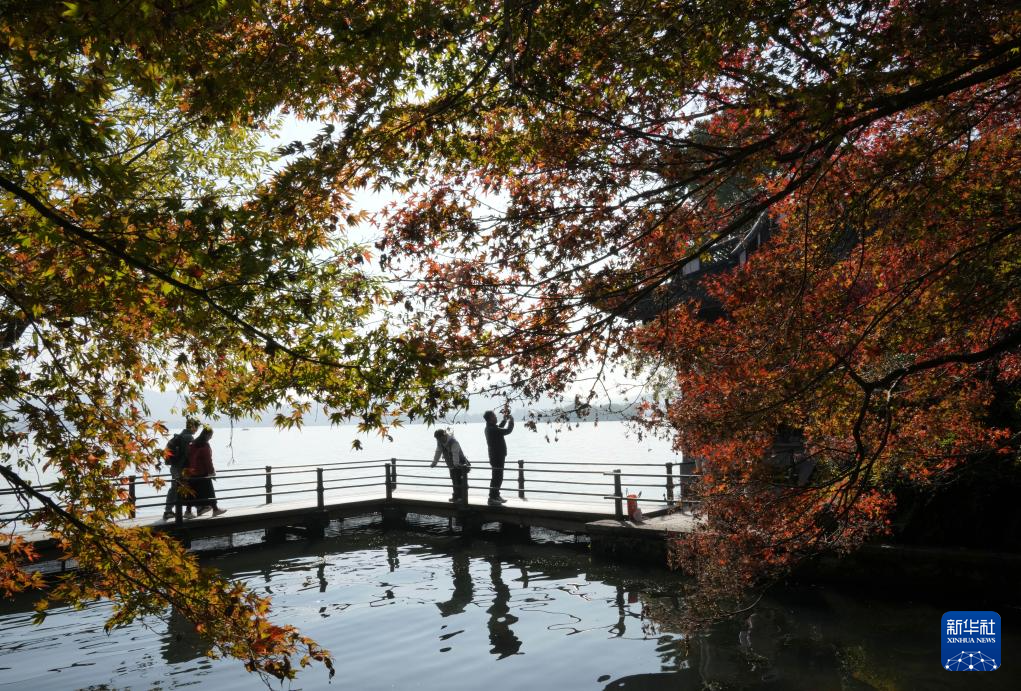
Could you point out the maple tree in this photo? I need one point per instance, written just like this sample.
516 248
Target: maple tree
587 195
148 244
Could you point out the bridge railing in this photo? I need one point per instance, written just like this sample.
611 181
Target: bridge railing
589 481
656 484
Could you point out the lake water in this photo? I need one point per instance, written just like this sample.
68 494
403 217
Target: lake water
431 609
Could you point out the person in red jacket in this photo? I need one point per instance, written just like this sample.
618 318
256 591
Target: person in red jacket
201 474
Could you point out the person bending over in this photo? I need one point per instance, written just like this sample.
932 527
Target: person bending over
448 448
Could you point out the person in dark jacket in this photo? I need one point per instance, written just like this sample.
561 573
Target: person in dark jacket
176 458
201 474
457 463
497 446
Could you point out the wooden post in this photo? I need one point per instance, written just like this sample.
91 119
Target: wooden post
269 484
131 494
393 472
521 479
319 488
179 508
618 494
389 471
670 482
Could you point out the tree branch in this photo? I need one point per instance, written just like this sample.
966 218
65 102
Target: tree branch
75 230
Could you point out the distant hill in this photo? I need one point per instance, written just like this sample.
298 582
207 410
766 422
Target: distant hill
162 406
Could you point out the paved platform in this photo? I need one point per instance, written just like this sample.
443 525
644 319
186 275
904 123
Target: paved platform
675 522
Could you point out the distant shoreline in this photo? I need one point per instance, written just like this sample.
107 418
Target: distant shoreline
248 423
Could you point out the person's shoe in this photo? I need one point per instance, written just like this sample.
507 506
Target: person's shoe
219 512
168 515
501 500
204 510
495 502
452 499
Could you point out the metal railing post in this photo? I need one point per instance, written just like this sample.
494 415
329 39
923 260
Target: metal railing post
269 484
685 469
521 479
618 497
388 469
670 482
319 488
131 494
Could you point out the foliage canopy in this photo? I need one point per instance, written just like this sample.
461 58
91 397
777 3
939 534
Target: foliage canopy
147 244
631 146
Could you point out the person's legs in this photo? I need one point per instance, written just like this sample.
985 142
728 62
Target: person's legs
217 511
497 478
173 496
461 484
186 492
203 494
455 482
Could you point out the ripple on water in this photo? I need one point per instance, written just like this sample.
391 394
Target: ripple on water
436 611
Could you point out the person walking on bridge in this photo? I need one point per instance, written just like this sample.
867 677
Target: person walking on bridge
201 473
497 446
176 459
457 464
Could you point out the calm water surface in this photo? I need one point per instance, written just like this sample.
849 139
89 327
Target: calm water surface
431 609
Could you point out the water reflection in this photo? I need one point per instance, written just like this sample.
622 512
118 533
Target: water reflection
503 641
464 590
321 575
657 681
509 616
620 628
182 643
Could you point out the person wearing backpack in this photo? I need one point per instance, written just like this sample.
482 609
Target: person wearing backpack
457 464
176 458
